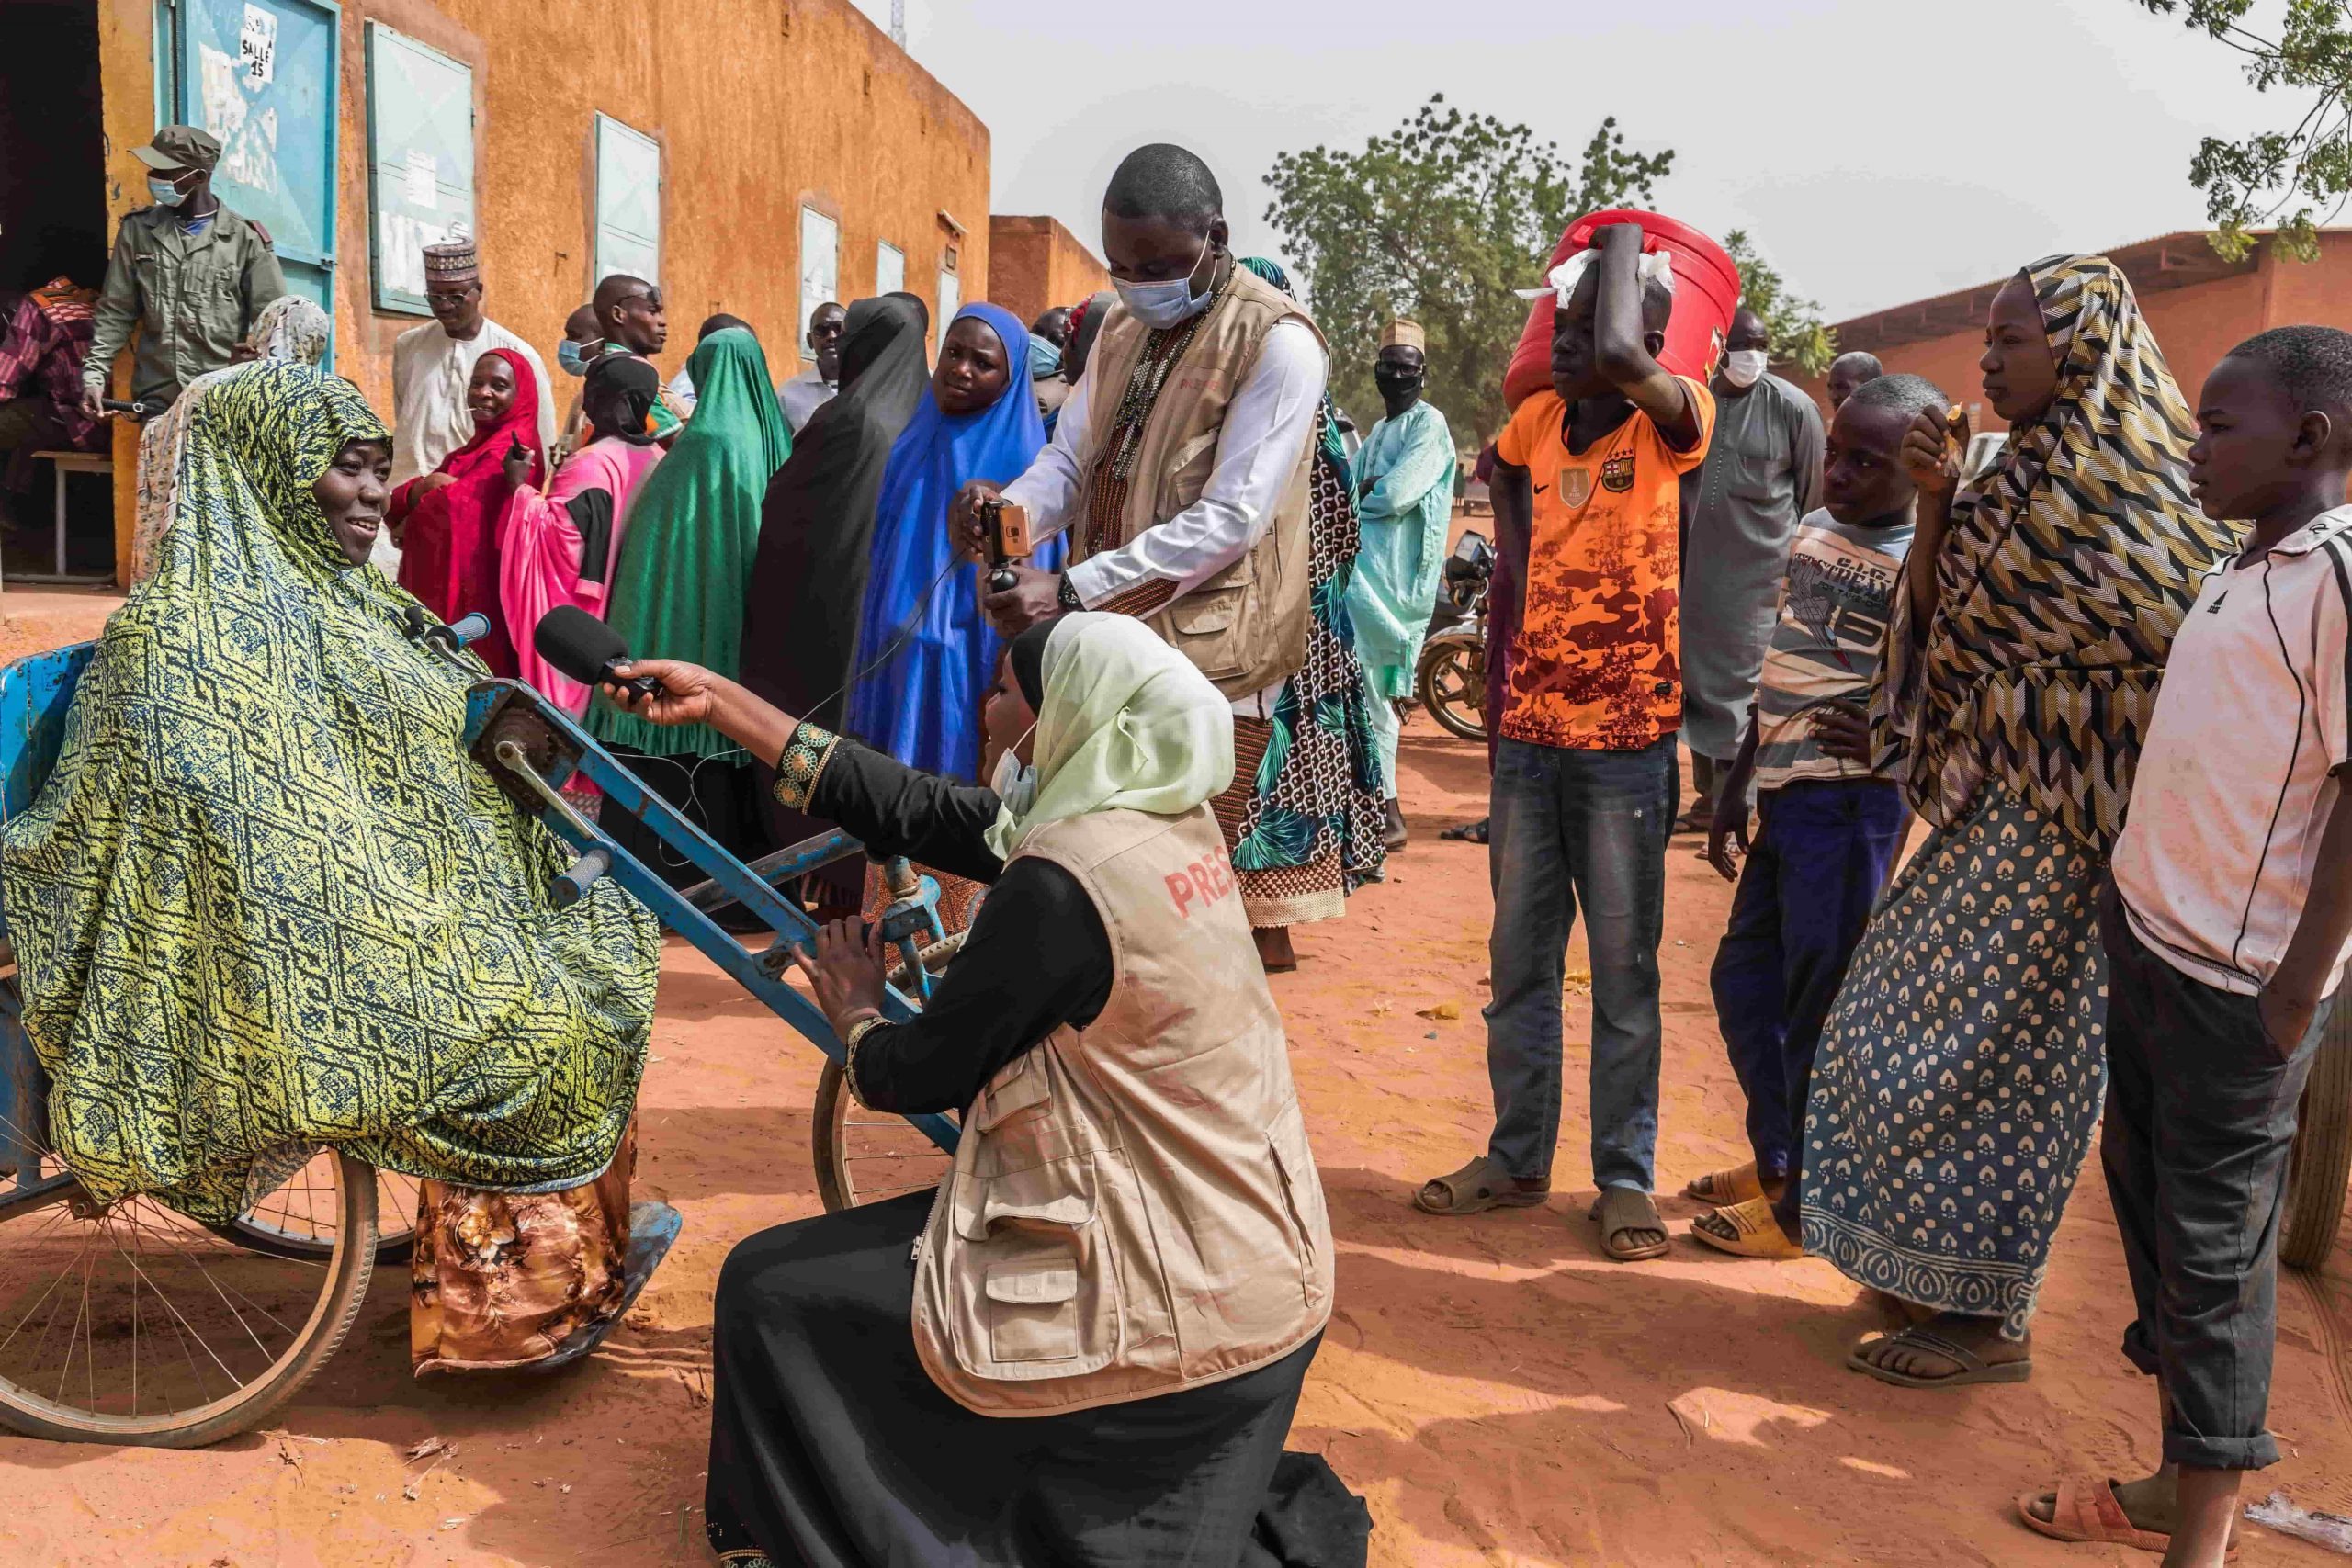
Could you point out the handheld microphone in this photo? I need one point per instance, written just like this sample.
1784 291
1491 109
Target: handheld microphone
586 650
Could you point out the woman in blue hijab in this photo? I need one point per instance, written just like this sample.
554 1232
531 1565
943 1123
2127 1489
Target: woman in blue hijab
925 653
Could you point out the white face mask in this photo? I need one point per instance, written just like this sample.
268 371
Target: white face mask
1173 303
1014 782
1744 366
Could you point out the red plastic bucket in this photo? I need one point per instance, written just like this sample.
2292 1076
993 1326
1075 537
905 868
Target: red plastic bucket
1706 291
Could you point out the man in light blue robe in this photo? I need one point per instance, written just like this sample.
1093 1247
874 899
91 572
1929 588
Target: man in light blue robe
1404 502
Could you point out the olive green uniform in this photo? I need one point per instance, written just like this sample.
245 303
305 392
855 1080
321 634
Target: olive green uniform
193 296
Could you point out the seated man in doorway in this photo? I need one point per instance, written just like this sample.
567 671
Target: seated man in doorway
187 272
40 382
1179 468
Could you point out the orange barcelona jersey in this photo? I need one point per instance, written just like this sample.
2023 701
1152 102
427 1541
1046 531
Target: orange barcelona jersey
1596 665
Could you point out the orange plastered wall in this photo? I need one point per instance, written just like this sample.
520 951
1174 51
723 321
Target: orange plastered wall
2194 325
760 105
1035 264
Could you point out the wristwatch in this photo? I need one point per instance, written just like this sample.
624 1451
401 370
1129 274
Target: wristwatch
1064 595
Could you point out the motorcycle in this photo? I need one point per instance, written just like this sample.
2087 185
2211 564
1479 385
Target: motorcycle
1450 679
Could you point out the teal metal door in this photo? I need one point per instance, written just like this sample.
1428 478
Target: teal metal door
261 75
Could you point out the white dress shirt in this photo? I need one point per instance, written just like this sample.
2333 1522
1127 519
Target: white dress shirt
1267 426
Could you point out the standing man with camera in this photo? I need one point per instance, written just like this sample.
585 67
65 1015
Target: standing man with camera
1180 471
187 272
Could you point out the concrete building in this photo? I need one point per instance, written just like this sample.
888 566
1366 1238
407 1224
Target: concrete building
752 156
1034 263
2197 305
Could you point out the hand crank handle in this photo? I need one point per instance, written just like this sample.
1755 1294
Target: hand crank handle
572 885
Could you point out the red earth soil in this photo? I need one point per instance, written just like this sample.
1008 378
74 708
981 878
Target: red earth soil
1498 1391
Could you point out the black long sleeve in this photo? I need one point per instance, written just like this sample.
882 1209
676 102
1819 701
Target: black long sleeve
900 810
1038 956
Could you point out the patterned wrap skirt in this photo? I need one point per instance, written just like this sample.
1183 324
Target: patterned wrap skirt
1962 1070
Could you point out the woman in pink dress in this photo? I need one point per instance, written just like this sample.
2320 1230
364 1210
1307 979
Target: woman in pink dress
558 547
446 522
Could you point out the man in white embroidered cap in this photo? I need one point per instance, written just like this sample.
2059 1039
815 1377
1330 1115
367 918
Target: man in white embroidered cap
433 365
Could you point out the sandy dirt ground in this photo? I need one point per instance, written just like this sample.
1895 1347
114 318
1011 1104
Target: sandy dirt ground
1498 1391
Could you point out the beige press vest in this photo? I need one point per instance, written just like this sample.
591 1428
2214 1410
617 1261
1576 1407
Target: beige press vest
1133 1209
1245 629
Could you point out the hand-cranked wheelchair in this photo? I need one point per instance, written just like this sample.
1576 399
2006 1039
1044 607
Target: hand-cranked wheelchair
129 1323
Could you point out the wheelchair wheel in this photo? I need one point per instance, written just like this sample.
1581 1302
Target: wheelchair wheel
302 1218
128 1323
866 1155
2321 1161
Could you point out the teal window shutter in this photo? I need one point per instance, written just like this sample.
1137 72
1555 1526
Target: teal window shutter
628 202
420 161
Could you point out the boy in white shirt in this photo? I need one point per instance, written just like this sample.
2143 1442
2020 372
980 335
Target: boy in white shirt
2226 920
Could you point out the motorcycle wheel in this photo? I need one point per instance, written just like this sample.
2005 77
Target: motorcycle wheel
1452 683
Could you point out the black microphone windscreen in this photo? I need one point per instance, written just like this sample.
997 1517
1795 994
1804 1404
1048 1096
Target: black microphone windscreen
578 643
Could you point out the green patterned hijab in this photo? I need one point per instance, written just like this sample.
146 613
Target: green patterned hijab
265 902
694 529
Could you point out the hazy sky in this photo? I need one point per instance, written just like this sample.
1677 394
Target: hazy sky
1879 150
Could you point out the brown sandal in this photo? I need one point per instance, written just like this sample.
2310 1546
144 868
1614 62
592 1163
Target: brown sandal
2085 1509
1725 1187
1622 1209
1475 1187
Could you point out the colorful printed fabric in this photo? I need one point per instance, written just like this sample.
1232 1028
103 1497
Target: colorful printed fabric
290 329
1962 1071
2065 572
1596 665
265 902
42 356
1314 826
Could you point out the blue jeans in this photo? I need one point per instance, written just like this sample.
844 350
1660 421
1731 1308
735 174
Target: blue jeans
1569 826
1816 867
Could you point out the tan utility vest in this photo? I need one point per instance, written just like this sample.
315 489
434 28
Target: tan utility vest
1245 629
1133 1209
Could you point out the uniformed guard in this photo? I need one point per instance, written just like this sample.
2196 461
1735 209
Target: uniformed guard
191 272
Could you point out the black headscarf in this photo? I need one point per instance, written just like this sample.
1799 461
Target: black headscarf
817 526
638 384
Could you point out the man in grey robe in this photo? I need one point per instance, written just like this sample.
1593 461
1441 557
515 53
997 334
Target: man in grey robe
1762 473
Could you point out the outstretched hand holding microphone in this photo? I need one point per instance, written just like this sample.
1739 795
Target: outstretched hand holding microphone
667 692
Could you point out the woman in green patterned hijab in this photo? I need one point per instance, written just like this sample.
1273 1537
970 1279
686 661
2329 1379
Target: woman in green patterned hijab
266 902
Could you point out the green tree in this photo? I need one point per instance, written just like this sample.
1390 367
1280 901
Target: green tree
2253 183
1440 221
1799 337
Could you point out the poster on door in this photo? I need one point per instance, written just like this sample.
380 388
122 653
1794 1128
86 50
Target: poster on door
257 46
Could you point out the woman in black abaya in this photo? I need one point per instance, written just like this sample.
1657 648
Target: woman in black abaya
816 536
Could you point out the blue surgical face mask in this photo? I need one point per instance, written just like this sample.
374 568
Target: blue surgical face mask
166 192
573 356
1173 303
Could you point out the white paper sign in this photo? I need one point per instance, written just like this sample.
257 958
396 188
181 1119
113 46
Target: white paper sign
257 46
424 170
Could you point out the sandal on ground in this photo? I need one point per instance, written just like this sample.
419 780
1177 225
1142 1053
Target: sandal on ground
1469 832
1475 1187
1725 1187
1755 1232
1622 1210
2086 1510
1974 1367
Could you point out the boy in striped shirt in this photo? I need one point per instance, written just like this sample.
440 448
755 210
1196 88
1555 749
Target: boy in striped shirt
1828 826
